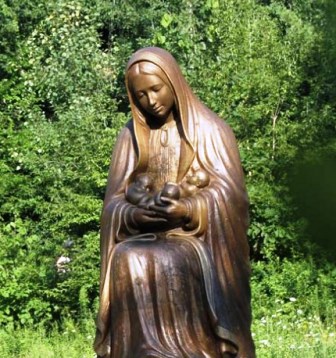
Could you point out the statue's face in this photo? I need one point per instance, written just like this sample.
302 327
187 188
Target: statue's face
153 95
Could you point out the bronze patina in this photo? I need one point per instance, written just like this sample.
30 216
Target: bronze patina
174 254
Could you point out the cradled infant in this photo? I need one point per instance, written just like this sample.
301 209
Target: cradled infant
198 180
140 192
194 182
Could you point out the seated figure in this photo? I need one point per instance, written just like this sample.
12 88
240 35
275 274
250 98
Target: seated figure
174 254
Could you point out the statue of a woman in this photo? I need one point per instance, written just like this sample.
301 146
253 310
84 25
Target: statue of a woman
175 269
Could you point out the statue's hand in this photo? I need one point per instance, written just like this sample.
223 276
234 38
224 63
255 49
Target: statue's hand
171 209
141 217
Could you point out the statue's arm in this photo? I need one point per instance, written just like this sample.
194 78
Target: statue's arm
117 211
218 155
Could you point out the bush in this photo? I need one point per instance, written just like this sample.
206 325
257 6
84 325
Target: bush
265 66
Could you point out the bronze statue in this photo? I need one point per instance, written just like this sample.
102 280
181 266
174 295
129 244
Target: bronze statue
174 253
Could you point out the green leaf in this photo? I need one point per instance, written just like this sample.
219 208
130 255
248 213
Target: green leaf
166 20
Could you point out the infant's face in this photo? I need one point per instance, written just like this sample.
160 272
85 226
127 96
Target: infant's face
192 179
144 181
200 179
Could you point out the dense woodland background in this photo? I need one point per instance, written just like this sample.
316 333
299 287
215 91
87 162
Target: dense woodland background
267 67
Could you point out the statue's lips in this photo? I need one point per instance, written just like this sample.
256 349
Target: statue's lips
157 109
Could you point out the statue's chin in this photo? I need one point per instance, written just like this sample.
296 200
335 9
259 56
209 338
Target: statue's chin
157 122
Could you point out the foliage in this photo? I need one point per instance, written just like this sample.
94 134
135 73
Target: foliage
73 342
56 121
286 286
294 308
265 66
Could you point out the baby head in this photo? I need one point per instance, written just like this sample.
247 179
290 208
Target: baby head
171 190
200 178
144 181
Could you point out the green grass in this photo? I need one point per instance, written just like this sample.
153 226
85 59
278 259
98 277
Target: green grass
280 336
29 343
276 336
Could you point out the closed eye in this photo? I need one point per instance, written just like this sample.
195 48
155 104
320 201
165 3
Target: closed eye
140 95
157 88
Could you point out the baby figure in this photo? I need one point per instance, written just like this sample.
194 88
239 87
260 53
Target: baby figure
198 180
139 192
171 190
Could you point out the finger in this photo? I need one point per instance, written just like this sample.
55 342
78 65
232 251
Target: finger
168 200
157 199
155 220
159 209
150 213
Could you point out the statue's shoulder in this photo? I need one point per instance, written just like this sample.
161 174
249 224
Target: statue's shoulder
129 126
214 124
125 138
127 132
128 129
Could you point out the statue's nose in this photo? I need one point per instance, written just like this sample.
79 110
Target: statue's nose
151 100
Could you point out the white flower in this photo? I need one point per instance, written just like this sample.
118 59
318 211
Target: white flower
292 299
63 260
61 263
